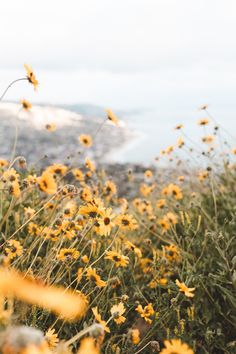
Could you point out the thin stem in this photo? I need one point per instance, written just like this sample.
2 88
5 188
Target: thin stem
9 86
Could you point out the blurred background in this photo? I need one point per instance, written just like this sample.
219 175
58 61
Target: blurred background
153 62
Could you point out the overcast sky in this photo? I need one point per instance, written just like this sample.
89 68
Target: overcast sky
121 53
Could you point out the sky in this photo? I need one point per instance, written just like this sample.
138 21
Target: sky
167 55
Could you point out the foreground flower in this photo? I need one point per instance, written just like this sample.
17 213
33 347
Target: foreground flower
31 76
145 312
175 346
118 259
183 288
99 319
86 140
88 346
112 117
117 311
62 302
47 183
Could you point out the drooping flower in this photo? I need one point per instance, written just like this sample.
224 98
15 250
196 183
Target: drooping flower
98 318
31 76
112 117
117 258
94 277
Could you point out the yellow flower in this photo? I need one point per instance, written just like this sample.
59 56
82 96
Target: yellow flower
175 346
26 104
51 234
78 174
183 288
65 304
109 189
203 121
104 223
175 191
86 140
148 174
3 163
13 249
171 218
146 312
92 209
34 229
179 126
126 222
51 127
68 254
112 117
29 212
165 225
14 189
172 253
180 143
47 183
57 169
135 336
51 338
161 203
118 259
117 311
31 76
90 165
94 277
99 319
88 346
130 246
208 139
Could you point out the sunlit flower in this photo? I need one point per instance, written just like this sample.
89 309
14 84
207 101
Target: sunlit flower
90 165
3 163
117 258
175 346
117 311
172 253
171 218
31 76
183 288
86 140
14 189
179 126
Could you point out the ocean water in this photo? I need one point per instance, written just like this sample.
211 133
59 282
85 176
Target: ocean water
154 131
